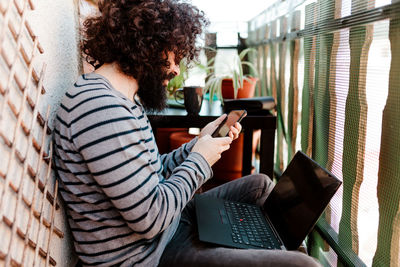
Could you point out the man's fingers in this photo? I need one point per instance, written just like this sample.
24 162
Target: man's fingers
238 126
226 147
234 130
224 140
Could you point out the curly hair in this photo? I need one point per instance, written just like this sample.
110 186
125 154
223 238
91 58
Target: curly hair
137 35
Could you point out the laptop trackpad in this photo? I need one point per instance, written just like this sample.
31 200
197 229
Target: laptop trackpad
224 216
213 223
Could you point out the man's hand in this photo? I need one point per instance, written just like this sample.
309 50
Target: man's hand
211 148
212 126
235 131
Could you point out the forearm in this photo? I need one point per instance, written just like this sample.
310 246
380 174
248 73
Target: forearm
173 159
172 195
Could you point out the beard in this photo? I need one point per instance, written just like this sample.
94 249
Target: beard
152 91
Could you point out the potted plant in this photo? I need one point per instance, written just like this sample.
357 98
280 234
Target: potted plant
179 80
233 83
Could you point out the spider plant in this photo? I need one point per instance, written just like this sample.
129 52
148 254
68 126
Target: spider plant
235 72
179 80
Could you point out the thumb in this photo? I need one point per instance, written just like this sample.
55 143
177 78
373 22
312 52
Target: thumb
220 119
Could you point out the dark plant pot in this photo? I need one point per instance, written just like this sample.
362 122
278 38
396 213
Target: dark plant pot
246 91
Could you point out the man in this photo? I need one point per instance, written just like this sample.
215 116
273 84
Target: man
127 205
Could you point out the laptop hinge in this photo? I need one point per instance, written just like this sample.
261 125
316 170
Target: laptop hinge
275 232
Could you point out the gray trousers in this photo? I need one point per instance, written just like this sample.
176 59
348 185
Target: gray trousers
185 248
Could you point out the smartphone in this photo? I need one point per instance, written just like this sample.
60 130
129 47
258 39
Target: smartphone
230 120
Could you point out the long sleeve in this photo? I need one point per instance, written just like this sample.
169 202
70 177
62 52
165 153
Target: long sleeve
127 171
111 176
174 158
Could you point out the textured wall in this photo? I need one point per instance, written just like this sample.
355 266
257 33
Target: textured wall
56 24
39 61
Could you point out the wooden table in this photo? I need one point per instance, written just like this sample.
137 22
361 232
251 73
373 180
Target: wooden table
178 118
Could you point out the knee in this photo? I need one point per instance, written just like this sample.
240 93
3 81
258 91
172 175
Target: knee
261 184
263 181
265 178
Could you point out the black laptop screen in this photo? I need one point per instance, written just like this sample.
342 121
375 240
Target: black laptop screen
301 195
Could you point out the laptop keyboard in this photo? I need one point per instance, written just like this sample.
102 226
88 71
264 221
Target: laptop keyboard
249 227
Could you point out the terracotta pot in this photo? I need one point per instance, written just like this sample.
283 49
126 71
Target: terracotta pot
163 138
179 138
246 91
229 167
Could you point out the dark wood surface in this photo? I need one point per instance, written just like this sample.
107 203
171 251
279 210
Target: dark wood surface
178 118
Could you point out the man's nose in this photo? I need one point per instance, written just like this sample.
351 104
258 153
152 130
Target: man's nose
176 70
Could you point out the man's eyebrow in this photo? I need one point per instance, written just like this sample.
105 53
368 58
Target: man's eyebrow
178 58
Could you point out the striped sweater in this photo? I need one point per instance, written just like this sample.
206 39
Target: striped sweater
123 198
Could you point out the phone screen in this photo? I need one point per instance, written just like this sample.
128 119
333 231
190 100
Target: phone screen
233 117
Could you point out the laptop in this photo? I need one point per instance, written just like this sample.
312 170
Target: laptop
283 222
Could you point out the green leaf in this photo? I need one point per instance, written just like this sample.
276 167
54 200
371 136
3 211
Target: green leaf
209 48
251 66
208 85
176 82
219 89
179 80
213 89
245 51
206 69
210 61
235 84
240 76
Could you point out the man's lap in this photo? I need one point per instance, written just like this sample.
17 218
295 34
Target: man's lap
185 248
